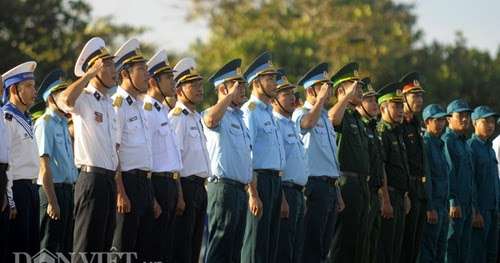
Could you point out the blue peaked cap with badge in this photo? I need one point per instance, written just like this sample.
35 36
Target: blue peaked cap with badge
458 105
317 74
18 74
482 112
262 65
230 71
282 80
434 111
55 81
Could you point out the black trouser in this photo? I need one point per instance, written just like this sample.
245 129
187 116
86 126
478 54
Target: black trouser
291 237
261 233
166 194
95 214
56 235
227 213
134 229
373 227
320 219
391 231
4 218
351 229
24 229
414 222
189 226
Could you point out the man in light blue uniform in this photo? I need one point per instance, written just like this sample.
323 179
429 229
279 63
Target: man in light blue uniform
484 239
262 229
58 172
228 145
294 175
323 196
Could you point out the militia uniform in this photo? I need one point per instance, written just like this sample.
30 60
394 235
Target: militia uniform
396 167
166 164
229 149
262 233
196 168
376 179
22 191
320 150
294 179
484 241
459 160
412 136
54 143
433 247
351 229
133 229
95 155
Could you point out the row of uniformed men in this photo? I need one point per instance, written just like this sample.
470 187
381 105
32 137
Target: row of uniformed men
258 146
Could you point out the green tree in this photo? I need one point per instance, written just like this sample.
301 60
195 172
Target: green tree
52 32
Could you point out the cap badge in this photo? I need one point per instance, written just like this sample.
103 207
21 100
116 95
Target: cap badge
325 74
32 67
369 86
399 92
416 83
62 79
270 63
138 51
356 73
238 71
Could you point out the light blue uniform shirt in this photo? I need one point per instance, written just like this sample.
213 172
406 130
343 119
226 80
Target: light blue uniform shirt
319 144
268 151
295 166
53 139
228 146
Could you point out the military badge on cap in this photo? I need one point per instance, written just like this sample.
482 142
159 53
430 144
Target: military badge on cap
411 83
391 92
93 50
18 74
346 73
159 64
262 65
54 81
282 81
367 87
185 70
229 72
317 74
128 53
458 105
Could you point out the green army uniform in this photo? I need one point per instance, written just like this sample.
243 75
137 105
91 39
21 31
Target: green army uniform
412 136
351 228
396 167
375 181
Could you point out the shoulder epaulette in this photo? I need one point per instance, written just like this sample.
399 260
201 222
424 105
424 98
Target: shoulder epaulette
177 111
46 117
86 91
148 106
382 126
8 116
251 106
118 101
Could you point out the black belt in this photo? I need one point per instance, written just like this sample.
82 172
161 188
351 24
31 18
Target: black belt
362 177
26 181
327 179
418 179
396 190
231 182
142 173
297 187
278 173
170 175
4 167
63 186
196 179
97 170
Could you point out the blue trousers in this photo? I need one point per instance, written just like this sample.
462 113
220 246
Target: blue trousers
459 235
433 247
484 243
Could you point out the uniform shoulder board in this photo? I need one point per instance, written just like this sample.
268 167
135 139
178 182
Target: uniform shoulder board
177 111
118 102
186 112
46 117
8 116
251 106
148 106
86 91
382 127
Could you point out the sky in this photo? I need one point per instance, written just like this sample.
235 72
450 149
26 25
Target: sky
438 19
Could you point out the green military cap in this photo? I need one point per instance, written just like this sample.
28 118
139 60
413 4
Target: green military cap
391 92
367 87
282 81
37 110
411 83
346 73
